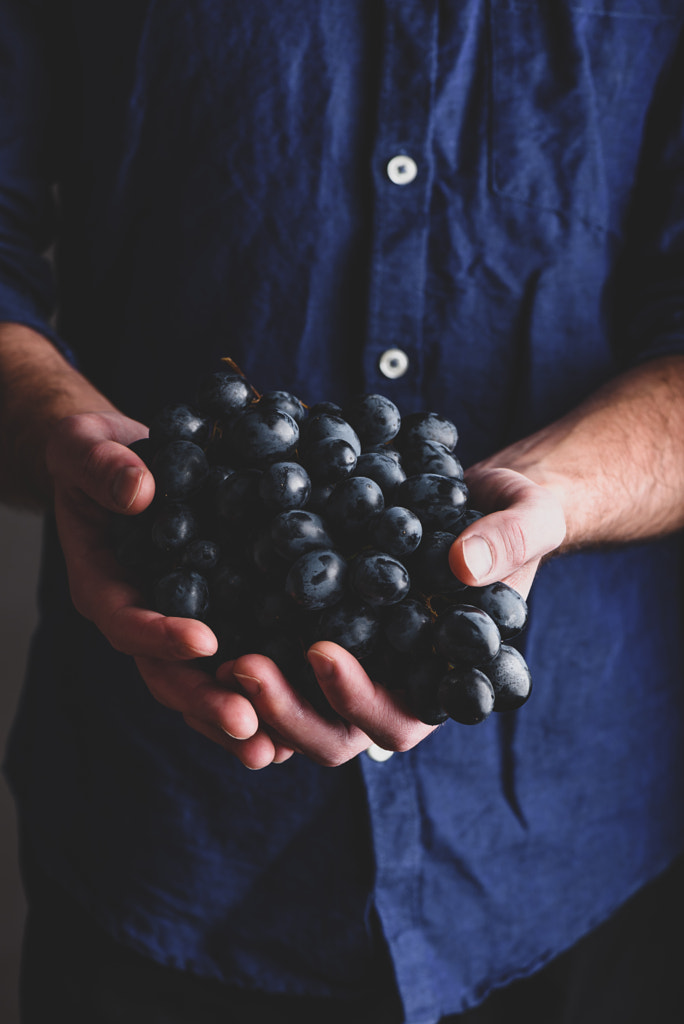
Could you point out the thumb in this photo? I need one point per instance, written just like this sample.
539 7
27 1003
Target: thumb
89 452
526 523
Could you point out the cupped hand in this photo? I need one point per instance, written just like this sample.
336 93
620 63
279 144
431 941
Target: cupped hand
94 473
368 712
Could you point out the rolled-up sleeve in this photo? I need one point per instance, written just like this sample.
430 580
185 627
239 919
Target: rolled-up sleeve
28 165
650 294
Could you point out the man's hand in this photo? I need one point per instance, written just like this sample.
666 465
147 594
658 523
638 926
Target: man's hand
95 474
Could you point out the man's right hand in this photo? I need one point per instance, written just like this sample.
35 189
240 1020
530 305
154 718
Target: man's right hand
94 473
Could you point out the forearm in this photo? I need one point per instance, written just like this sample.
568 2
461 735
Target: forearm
616 462
38 387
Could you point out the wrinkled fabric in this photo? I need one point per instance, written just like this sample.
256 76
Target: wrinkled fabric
216 177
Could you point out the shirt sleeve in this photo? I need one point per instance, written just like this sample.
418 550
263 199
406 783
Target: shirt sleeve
28 166
649 293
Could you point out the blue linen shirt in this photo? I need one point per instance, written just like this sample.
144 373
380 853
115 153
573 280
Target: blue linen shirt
223 188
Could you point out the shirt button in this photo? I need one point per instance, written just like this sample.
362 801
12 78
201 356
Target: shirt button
401 170
377 753
393 363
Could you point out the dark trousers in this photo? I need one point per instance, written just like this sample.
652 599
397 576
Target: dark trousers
629 971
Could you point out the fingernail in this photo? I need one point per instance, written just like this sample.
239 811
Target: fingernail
477 555
249 684
323 666
225 731
126 486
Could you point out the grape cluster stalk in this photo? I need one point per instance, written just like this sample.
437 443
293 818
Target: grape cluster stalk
280 525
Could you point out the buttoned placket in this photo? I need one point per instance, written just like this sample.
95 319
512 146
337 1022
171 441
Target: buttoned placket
393 364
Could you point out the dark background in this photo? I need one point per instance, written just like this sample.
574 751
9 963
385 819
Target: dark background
19 554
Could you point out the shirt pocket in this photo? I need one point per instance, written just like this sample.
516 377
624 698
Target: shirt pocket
571 86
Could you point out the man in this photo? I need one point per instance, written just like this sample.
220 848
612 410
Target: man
495 191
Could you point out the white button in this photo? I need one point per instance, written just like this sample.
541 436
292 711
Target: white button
401 170
377 753
393 363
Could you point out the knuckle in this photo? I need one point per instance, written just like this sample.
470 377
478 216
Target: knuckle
514 541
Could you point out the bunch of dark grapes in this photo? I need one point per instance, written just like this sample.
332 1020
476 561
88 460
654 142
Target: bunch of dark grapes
279 525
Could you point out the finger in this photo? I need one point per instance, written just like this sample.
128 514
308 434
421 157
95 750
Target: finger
195 694
283 712
363 703
89 453
255 753
524 523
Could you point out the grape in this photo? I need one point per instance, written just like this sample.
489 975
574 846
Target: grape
466 634
258 436
398 531
379 579
424 456
466 695
329 460
510 677
350 625
297 531
280 525
422 688
430 496
383 468
222 394
174 526
201 555
375 418
180 423
428 426
316 580
503 604
284 402
407 626
285 485
179 469
325 425
182 592
353 504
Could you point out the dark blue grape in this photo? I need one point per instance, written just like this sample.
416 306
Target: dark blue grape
384 469
375 418
258 436
466 695
423 456
324 425
429 566
331 408
179 469
431 496
353 504
407 627
145 448
316 580
318 498
297 531
222 394
379 579
180 423
467 635
421 687
503 604
510 677
351 625
329 460
285 485
230 585
398 531
284 402
174 526
201 555
428 426
182 592
237 497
